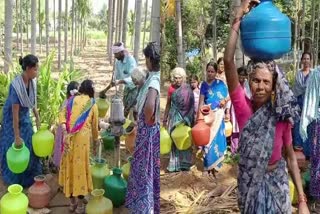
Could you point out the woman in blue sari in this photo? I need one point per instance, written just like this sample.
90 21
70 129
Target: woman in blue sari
17 125
214 93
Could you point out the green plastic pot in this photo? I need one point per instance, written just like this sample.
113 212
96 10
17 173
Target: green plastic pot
99 170
108 140
115 187
14 202
18 158
43 142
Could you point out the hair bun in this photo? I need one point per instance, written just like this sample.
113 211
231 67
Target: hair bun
20 60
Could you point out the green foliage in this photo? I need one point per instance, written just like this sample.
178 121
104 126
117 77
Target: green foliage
52 88
231 159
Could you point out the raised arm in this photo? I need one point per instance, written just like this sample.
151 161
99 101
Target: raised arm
230 67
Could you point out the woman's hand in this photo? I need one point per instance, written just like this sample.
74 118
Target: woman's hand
38 123
303 208
227 117
223 103
18 142
247 5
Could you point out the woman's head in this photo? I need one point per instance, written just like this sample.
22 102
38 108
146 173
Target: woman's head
138 76
306 59
194 81
72 88
87 88
152 55
242 74
178 76
220 65
262 83
211 71
29 65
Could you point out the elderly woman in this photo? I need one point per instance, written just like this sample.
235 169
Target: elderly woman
17 125
214 93
309 117
143 194
299 88
179 109
265 130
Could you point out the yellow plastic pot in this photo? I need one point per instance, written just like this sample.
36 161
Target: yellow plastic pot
125 126
103 106
228 128
165 141
15 201
181 136
126 168
99 204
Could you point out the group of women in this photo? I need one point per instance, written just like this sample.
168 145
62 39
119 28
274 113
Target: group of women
79 128
265 115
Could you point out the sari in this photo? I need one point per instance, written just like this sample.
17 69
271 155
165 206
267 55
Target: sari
143 195
310 121
299 90
215 150
181 111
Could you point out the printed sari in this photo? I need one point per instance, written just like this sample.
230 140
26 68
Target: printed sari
181 111
214 151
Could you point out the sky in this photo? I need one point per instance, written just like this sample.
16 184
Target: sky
96 4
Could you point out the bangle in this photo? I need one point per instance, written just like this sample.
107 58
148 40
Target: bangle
302 199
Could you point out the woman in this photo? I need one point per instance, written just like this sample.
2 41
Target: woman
309 116
194 83
243 76
17 125
214 93
79 119
179 109
265 128
301 82
220 70
143 194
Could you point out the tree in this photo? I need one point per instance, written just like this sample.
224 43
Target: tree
125 22
110 30
33 26
179 34
145 22
59 34
155 21
47 27
66 32
8 29
137 30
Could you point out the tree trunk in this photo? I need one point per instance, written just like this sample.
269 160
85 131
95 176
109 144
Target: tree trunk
47 27
145 23
296 34
116 21
120 19
114 17
54 23
317 38
110 30
214 31
66 32
40 27
27 27
75 29
155 22
17 26
59 34
313 5
179 34
33 26
239 57
8 28
21 29
137 30
72 28
303 23
125 22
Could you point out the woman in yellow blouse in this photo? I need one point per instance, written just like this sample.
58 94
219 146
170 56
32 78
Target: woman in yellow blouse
80 121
